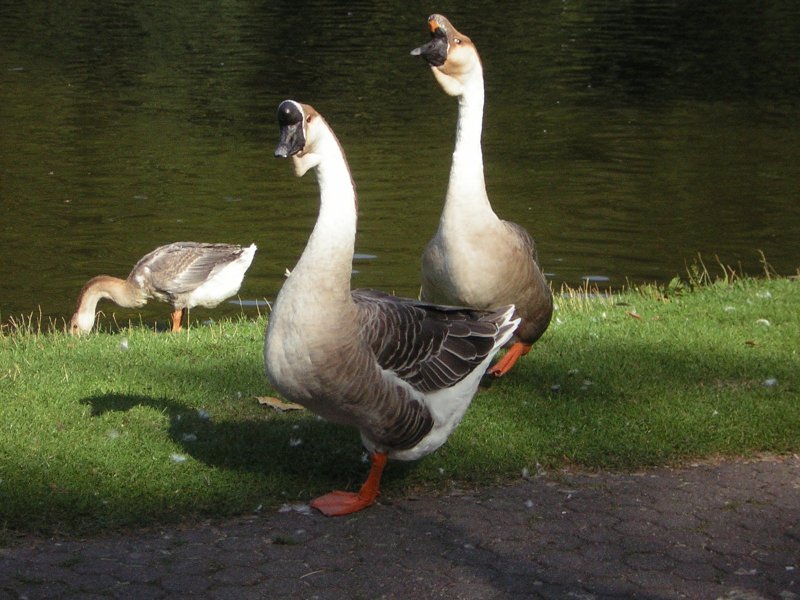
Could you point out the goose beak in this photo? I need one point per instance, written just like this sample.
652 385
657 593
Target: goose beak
291 141
435 51
290 121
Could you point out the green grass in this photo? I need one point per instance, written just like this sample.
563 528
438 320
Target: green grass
135 428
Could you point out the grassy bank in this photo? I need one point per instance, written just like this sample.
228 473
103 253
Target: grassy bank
137 427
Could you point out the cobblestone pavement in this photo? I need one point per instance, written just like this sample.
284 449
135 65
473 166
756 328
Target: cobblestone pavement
727 530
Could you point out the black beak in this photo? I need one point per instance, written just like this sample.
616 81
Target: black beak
292 141
435 51
290 121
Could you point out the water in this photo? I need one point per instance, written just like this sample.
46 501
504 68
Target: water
628 137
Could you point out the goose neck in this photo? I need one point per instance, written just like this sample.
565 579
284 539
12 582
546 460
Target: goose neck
120 291
328 256
467 187
470 117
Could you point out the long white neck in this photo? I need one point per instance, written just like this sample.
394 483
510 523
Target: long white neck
327 261
466 193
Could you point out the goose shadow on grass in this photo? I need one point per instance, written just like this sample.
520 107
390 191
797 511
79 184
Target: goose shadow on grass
297 445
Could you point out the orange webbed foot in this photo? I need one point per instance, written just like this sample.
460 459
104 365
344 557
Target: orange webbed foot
339 503
503 366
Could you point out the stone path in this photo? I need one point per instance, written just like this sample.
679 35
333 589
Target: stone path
727 530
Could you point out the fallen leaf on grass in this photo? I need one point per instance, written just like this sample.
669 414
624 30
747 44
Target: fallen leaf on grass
278 404
633 313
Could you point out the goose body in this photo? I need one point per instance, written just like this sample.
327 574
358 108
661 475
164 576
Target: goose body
402 371
475 258
183 274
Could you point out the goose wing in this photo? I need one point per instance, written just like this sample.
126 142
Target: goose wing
431 347
524 238
181 267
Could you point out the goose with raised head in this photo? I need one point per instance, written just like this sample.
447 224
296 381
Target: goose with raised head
402 371
183 274
475 258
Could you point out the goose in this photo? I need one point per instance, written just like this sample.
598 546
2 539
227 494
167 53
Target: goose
400 370
475 258
184 274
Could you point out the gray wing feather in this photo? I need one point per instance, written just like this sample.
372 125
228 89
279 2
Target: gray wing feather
429 346
183 266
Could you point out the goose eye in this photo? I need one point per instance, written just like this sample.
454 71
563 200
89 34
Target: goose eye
457 40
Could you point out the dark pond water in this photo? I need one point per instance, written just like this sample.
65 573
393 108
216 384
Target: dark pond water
628 137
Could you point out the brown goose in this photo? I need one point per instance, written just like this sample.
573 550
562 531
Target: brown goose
402 371
184 274
476 259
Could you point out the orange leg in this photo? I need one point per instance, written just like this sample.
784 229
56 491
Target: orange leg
177 317
339 503
503 366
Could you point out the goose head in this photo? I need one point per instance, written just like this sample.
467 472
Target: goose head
81 324
301 128
451 55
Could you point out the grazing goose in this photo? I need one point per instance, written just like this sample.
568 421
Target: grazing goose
476 259
402 371
185 274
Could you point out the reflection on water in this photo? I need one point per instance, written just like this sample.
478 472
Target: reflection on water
627 137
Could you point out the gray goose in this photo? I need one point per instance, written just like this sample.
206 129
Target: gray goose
402 371
475 258
183 274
